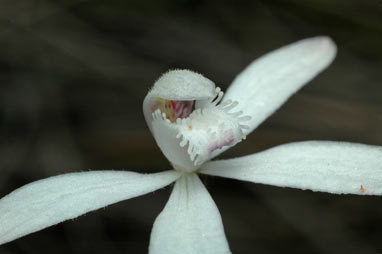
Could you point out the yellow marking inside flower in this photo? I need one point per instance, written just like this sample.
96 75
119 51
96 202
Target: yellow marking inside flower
173 109
166 106
190 127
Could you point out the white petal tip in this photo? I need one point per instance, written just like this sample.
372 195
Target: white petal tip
326 45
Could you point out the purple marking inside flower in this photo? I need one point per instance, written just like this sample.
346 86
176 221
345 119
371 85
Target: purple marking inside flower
228 142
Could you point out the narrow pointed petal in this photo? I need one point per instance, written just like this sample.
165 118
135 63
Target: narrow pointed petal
270 80
49 201
190 223
334 167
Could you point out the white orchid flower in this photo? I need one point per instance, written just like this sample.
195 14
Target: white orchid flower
192 123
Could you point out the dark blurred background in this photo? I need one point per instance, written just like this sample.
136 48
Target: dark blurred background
73 77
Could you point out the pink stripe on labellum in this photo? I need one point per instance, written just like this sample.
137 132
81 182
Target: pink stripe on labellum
227 142
182 108
174 109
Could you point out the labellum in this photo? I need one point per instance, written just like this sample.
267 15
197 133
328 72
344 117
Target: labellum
189 121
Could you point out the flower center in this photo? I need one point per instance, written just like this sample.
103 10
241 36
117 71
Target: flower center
173 109
199 133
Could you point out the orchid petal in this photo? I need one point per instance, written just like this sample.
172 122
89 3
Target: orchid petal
47 202
190 223
270 80
334 167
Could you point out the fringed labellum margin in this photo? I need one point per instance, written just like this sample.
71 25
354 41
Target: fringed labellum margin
189 123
